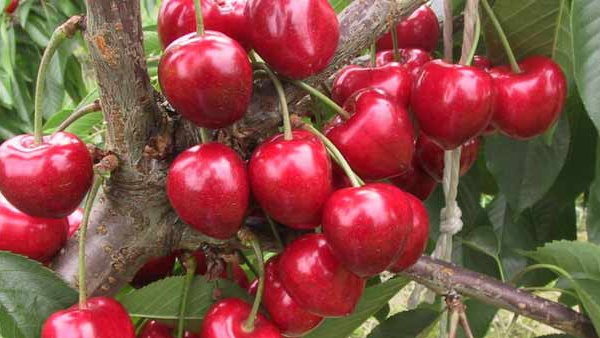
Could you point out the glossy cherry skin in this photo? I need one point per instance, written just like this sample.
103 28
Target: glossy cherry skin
207 79
207 186
239 276
431 156
416 181
392 78
529 103
102 318
226 319
297 38
291 179
314 277
48 180
418 237
74 220
411 58
367 226
177 18
155 269
154 329
11 7
482 62
452 103
377 139
36 238
420 30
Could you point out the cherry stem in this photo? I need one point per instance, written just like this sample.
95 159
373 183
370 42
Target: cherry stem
190 271
287 124
89 202
322 97
275 233
62 32
77 114
502 35
204 135
248 238
337 155
199 17
395 43
247 262
373 54
473 50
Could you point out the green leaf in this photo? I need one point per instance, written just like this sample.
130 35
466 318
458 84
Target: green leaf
572 256
588 291
339 5
483 239
593 217
525 170
407 324
373 299
29 293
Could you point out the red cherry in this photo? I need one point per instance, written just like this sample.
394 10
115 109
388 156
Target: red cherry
420 30
367 226
102 318
208 188
482 62
452 103
226 319
298 38
48 180
377 139
316 279
11 7
36 238
154 329
431 156
411 58
416 181
239 275
291 180
528 103
207 79
417 239
155 269
177 18
392 78
74 220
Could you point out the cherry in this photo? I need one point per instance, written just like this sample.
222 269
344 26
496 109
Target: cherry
101 318
48 180
377 139
74 220
11 7
226 319
316 279
291 179
417 239
392 78
297 38
452 103
420 30
177 18
207 186
207 78
530 102
154 329
367 226
431 156
411 58
36 238
239 275
155 269
482 62
416 181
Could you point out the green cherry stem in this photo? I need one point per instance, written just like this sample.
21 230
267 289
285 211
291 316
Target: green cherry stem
273 226
337 155
322 97
204 135
287 125
98 179
247 262
373 54
79 113
63 32
199 17
473 50
190 271
502 35
395 43
248 238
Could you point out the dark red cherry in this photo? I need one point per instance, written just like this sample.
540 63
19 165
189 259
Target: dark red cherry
74 220
177 18
207 79
11 7
155 269
411 58
377 139
452 103
316 279
529 103
36 238
392 78
418 237
297 38
431 156
154 329
482 62
207 186
416 181
47 180
102 318
226 319
367 226
291 179
420 30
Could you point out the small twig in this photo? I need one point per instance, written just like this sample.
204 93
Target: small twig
458 315
77 114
